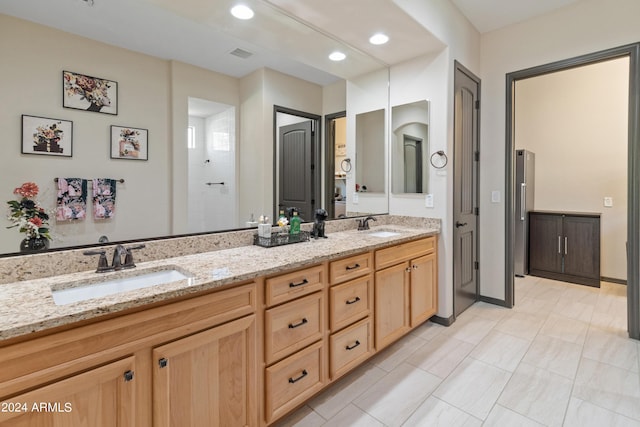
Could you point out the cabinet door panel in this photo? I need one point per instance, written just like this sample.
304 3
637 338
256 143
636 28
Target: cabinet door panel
582 246
424 289
96 398
545 243
391 304
207 379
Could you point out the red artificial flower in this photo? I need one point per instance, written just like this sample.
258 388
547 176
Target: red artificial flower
36 221
28 190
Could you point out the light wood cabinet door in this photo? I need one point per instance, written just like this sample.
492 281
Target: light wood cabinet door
103 396
207 379
391 304
424 288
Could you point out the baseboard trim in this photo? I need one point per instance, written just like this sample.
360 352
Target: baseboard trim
444 321
494 301
612 280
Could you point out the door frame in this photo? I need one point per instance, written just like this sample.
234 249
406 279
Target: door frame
316 159
330 161
459 67
632 51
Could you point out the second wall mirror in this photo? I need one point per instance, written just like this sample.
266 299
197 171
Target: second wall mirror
410 148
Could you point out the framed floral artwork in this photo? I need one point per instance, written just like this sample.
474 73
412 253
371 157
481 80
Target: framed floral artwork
89 93
53 137
129 143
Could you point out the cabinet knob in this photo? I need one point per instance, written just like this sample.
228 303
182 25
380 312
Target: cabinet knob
407 270
163 362
128 376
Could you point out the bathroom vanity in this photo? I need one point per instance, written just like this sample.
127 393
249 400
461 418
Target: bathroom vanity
248 337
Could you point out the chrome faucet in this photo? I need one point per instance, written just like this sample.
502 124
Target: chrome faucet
363 224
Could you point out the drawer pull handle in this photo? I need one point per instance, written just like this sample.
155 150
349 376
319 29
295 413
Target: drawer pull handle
352 346
353 301
294 285
295 380
302 322
349 267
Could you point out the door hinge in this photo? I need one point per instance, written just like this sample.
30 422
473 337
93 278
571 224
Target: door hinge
476 156
476 211
477 104
476 265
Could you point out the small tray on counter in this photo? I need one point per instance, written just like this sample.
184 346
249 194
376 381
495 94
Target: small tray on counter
280 239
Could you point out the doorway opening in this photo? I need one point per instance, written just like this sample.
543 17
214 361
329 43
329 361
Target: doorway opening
633 171
337 167
297 164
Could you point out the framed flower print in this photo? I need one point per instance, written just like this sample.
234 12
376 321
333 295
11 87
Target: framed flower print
88 93
41 135
129 143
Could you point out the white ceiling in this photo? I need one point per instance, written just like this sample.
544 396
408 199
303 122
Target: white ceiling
489 15
291 36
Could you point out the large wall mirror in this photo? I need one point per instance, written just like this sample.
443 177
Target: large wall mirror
207 170
410 148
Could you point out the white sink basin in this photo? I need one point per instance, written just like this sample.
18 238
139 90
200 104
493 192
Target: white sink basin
136 280
383 233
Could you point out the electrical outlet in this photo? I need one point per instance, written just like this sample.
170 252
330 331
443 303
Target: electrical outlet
608 202
355 198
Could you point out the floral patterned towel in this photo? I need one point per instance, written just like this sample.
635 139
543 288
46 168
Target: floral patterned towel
72 199
104 198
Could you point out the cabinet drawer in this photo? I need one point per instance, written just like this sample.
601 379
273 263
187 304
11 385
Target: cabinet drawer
350 302
350 268
350 347
293 326
286 287
293 380
404 251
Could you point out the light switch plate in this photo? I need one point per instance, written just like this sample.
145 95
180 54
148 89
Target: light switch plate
495 196
608 202
356 198
428 200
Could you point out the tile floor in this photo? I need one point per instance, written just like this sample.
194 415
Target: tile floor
561 357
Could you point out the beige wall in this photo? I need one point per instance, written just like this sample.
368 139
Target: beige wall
152 94
571 31
575 122
33 58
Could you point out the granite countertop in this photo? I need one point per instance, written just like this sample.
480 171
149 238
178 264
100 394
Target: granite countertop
28 306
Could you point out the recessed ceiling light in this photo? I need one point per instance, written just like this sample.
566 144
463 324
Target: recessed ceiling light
337 56
378 38
88 2
242 12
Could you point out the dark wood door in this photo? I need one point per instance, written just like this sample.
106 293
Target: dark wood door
465 189
581 246
545 243
296 173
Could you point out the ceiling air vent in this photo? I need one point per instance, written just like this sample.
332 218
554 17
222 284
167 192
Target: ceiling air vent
241 53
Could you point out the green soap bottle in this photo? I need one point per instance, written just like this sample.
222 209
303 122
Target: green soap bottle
294 227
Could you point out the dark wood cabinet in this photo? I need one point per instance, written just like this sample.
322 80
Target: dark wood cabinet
565 246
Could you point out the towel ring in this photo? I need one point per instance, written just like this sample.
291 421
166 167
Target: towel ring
439 159
345 165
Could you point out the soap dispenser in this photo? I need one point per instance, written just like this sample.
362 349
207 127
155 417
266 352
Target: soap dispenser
295 224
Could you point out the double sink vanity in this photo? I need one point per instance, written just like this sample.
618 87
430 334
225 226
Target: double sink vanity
238 335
